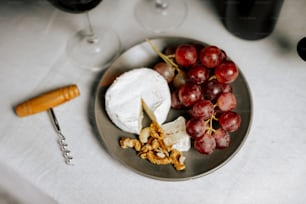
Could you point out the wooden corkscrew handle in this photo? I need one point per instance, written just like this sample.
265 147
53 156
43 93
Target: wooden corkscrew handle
47 100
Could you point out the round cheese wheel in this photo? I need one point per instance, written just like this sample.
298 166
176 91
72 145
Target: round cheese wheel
123 98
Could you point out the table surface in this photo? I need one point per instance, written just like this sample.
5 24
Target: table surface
269 168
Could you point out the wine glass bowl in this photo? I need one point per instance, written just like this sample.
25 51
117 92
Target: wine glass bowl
94 52
160 15
94 47
75 6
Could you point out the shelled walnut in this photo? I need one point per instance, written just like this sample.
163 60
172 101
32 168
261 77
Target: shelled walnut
151 146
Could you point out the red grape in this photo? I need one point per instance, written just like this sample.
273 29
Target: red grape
227 88
226 72
189 93
166 70
212 89
195 127
223 55
202 109
206 144
186 55
227 101
230 121
211 56
222 138
198 73
169 50
175 101
180 79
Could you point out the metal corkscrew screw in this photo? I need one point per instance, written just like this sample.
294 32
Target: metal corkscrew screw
61 139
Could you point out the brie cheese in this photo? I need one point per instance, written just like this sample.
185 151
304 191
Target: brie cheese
123 98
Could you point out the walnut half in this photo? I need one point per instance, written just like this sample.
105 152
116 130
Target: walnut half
126 142
151 146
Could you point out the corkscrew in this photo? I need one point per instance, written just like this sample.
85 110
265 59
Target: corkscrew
61 138
45 102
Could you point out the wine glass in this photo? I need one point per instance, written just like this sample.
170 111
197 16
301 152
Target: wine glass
160 15
91 48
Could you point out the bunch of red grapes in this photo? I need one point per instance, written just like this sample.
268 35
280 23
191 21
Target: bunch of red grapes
200 80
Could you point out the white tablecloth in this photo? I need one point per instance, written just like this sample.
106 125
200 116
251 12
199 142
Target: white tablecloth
270 167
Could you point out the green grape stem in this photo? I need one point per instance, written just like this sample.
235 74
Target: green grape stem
209 121
212 77
167 58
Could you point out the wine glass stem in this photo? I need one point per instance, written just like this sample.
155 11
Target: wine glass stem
161 4
91 37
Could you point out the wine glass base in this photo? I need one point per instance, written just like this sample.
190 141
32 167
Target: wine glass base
94 52
156 19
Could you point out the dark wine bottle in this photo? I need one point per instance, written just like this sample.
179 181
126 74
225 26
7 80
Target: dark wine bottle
301 48
75 6
251 19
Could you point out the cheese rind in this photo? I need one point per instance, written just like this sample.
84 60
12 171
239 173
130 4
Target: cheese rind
123 98
176 135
